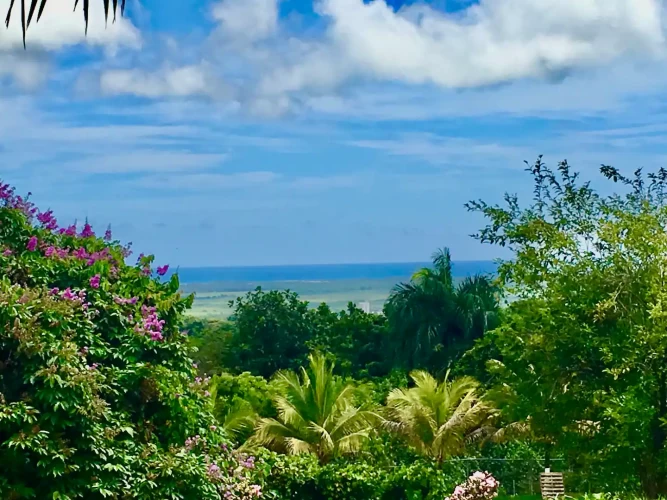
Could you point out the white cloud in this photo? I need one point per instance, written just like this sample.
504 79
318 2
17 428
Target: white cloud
488 43
59 27
247 20
173 82
269 69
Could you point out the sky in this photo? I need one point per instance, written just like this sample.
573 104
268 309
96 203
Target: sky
262 132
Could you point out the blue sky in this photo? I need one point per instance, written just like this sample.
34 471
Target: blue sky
258 132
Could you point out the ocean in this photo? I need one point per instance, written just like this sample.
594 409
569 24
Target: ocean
330 272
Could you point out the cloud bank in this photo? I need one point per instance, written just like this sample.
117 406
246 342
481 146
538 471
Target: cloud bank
487 43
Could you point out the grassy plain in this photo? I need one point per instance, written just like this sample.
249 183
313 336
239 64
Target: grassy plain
212 299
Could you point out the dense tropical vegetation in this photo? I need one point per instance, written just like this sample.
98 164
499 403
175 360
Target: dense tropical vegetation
108 391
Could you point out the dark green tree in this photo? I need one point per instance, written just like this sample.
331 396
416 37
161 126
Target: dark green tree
433 320
274 330
356 339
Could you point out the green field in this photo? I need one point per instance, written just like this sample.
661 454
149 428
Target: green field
212 299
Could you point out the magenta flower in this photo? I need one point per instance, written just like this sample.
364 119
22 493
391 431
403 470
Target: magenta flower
47 220
7 252
49 251
81 254
32 244
87 231
95 281
163 270
107 234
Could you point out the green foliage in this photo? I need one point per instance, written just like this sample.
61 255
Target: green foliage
238 401
98 395
438 419
276 330
582 356
357 340
302 477
433 321
273 332
318 413
212 340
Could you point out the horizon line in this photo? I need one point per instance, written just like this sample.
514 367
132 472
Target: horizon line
255 266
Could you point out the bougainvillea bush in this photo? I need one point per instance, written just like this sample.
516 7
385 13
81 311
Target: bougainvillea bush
98 396
479 486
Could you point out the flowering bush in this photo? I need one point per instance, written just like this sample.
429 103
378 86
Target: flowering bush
98 397
479 486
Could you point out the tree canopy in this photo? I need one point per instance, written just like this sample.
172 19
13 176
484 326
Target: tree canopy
582 354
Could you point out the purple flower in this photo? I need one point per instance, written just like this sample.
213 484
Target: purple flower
32 244
107 234
47 220
54 291
95 281
163 270
81 253
87 231
49 251
7 252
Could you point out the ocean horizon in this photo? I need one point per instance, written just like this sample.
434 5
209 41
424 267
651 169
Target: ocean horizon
324 272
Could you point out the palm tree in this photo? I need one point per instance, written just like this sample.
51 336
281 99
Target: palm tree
438 419
317 413
25 23
432 317
237 418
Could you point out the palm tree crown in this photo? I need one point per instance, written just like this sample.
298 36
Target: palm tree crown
317 413
438 419
434 318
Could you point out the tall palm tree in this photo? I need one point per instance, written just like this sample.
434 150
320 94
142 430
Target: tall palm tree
438 419
317 413
432 317
109 6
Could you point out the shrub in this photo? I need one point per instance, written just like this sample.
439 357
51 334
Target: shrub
479 486
98 395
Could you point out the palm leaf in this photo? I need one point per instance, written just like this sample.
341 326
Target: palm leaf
25 23
316 414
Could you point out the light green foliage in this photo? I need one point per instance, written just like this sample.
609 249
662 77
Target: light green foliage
438 419
98 395
238 401
433 320
318 413
583 353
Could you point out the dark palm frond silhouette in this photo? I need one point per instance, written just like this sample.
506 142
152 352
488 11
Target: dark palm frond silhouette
110 6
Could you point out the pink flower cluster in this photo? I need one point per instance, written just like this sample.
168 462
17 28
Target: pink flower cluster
121 301
192 442
479 486
68 294
247 462
151 324
214 471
